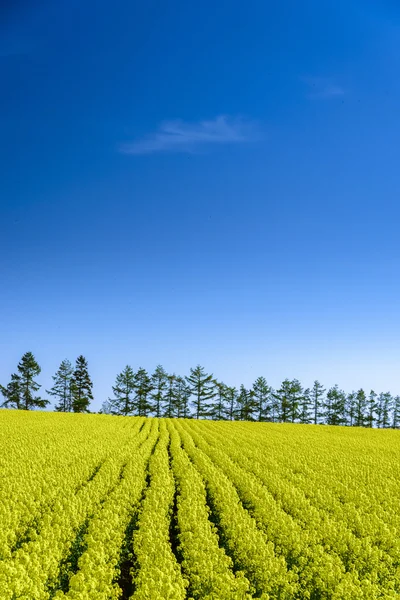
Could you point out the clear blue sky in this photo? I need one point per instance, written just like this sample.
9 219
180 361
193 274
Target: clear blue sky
202 182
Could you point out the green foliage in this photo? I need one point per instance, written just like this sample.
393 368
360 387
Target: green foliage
262 397
81 386
170 397
335 406
247 404
202 387
350 408
384 408
396 412
159 381
289 397
360 408
371 409
123 401
142 387
12 392
62 387
317 399
231 402
20 392
181 398
305 407
219 408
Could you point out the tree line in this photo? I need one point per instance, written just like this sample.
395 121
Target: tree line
200 395
72 386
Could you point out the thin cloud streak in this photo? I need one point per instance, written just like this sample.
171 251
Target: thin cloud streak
179 136
323 87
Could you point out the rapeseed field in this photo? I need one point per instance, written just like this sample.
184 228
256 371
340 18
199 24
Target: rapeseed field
96 507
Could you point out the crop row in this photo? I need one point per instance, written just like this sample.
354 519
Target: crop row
133 509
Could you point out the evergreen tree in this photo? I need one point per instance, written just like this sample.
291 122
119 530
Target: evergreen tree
159 381
387 409
360 416
275 406
12 393
62 388
247 404
296 397
20 391
379 411
327 408
306 405
218 410
371 409
282 397
231 398
143 387
350 408
335 406
123 401
289 397
81 386
202 387
241 402
181 398
262 396
317 399
396 412
384 408
170 397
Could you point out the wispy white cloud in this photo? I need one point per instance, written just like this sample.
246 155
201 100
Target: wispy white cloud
323 87
180 136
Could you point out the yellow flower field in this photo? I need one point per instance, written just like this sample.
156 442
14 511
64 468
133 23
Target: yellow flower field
100 507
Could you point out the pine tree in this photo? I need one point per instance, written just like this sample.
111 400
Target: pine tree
275 405
387 409
384 408
143 387
12 393
247 404
241 402
181 398
296 397
231 398
202 387
360 408
62 388
379 410
396 412
218 410
282 397
25 385
123 401
159 382
317 399
336 406
371 409
289 397
350 409
306 405
262 395
170 397
81 386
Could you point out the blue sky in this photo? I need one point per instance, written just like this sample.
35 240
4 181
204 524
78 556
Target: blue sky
211 183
